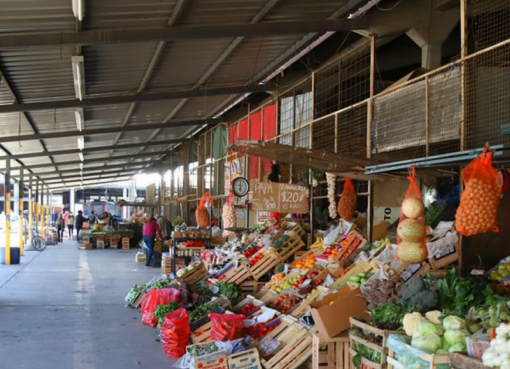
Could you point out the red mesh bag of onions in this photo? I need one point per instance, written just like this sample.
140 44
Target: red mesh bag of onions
479 201
412 243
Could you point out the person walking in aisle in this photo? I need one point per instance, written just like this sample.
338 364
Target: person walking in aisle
70 225
80 219
60 228
165 226
150 230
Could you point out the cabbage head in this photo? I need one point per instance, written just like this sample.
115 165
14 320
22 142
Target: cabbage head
426 328
454 322
458 347
455 336
428 343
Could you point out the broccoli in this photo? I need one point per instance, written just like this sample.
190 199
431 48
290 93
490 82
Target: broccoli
417 294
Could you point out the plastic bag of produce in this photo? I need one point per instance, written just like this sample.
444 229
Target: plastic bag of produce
479 201
202 214
411 235
153 299
229 215
226 327
175 334
348 201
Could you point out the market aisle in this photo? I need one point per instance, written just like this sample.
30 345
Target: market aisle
64 309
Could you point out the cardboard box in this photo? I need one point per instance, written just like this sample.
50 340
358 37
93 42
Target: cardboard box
333 319
248 359
216 360
125 243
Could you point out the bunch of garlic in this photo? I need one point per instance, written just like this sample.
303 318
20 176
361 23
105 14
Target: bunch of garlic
331 181
498 354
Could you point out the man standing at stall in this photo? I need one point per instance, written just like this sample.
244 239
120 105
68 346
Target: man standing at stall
165 226
80 219
150 230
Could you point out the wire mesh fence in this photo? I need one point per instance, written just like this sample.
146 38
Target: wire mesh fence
489 24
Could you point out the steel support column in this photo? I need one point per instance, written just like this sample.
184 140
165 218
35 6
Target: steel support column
21 194
30 208
7 198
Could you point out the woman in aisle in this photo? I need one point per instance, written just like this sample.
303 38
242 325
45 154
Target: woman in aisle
70 225
60 228
150 229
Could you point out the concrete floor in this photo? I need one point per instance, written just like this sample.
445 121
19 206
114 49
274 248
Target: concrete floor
63 308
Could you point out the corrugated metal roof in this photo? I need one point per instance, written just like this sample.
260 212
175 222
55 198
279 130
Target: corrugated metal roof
45 73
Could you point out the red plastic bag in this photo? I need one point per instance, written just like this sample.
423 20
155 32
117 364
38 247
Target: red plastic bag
411 234
202 214
226 327
175 334
153 299
348 201
479 202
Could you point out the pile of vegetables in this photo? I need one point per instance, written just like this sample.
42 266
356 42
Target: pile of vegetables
389 316
419 294
498 354
162 310
358 279
380 291
178 221
431 335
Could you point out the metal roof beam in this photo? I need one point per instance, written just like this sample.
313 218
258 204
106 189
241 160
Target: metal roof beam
175 33
92 150
101 131
87 183
95 160
126 99
97 170
84 176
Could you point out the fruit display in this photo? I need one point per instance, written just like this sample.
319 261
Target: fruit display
305 264
259 331
251 250
280 242
275 281
248 309
285 303
328 252
411 231
202 214
500 273
256 258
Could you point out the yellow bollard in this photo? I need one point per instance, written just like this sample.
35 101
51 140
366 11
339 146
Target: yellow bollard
7 227
21 222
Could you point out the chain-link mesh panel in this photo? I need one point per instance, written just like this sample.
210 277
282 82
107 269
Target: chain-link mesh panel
488 98
324 134
352 131
490 23
399 119
444 111
343 83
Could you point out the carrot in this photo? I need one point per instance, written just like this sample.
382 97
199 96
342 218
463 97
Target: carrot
493 334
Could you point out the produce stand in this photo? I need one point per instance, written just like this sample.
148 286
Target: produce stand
102 237
331 353
176 241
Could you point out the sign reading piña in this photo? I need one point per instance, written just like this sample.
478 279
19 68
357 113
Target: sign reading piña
280 198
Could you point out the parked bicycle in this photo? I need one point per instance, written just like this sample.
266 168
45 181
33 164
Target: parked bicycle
37 242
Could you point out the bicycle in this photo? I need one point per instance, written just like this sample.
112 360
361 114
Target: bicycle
37 242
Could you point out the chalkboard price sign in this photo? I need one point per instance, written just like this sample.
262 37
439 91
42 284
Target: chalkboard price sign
280 198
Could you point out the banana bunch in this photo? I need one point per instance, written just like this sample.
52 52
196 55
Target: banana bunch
318 244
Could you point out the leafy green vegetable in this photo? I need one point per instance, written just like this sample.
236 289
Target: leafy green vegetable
230 290
200 311
389 316
162 310
419 294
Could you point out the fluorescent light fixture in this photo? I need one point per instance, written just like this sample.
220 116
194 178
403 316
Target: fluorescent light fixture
78 76
81 142
81 167
79 9
80 119
80 155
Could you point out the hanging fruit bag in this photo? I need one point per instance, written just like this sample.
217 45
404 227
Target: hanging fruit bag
411 234
202 214
348 201
229 215
479 201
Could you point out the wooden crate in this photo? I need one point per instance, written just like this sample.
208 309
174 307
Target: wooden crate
248 359
195 275
331 353
100 242
125 243
432 360
248 300
348 273
142 258
289 248
269 260
353 242
461 361
277 235
384 334
237 275
295 348
249 286
202 334
138 300
449 256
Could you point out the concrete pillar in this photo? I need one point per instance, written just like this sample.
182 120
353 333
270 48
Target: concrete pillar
30 208
71 200
41 224
16 196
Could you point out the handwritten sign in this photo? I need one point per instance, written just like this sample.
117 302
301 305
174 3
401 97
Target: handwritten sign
280 198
